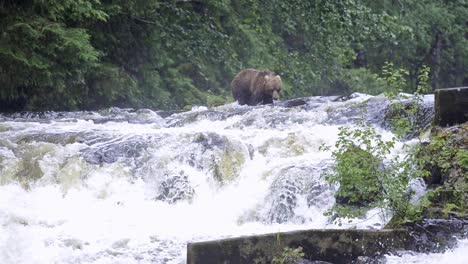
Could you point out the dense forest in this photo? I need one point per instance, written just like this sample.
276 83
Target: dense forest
170 54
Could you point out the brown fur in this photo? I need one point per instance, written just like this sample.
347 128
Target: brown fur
252 87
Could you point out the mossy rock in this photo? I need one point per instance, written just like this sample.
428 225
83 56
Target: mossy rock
291 145
444 163
221 155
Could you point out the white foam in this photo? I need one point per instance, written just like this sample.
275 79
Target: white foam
456 255
106 213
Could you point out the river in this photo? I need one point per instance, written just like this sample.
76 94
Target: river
134 186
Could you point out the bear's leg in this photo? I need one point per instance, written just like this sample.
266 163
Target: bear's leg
267 100
243 95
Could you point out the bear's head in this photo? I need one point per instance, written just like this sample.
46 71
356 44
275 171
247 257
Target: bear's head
273 85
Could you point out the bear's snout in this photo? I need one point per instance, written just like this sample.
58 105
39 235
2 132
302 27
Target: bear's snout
276 95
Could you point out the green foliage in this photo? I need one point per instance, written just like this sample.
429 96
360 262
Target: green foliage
87 54
368 175
404 108
288 255
448 208
445 150
44 60
365 180
461 158
446 157
362 80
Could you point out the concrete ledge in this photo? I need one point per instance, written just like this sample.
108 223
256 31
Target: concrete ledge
451 106
333 245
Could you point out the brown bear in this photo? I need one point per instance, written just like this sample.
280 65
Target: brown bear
252 87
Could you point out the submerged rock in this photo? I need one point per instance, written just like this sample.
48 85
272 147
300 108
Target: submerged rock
222 156
436 235
113 150
175 187
419 113
185 118
54 138
305 261
284 194
291 184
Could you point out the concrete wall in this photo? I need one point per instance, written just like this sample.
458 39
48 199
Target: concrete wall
451 106
336 246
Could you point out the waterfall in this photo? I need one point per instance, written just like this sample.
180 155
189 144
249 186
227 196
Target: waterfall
134 186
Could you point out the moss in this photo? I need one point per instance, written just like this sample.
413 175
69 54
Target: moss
291 145
70 172
442 163
4 128
8 169
228 166
29 167
446 170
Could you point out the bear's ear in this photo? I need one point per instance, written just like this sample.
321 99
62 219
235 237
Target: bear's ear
267 77
278 77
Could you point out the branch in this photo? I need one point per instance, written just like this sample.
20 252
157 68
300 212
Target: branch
144 20
188 1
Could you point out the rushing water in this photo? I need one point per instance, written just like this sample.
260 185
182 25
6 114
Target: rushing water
126 186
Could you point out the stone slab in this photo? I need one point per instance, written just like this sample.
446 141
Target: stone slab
333 245
451 106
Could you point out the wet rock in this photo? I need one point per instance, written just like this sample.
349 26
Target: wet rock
185 118
175 187
290 184
371 110
294 102
319 193
378 110
344 98
130 115
269 117
54 138
419 121
168 113
25 116
369 260
30 156
436 235
317 101
112 150
291 145
451 106
443 156
73 243
282 205
220 155
305 261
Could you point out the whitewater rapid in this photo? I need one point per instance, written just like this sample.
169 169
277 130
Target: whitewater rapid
134 186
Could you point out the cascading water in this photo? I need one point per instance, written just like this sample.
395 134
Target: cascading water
125 186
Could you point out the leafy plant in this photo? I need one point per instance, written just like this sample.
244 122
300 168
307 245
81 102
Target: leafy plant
288 255
365 175
368 176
